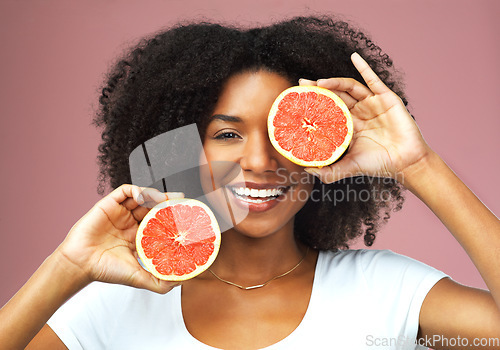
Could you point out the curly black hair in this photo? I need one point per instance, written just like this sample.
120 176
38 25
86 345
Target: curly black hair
174 78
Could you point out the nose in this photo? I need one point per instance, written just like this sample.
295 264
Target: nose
259 155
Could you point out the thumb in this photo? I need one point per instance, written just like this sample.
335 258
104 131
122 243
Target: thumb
339 170
145 280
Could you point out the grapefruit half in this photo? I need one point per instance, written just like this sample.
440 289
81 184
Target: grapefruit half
310 125
178 239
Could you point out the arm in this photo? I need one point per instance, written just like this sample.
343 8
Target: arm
388 143
450 309
463 214
99 247
26 313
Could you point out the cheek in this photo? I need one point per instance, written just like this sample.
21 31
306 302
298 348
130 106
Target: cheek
222 153
295 174
221 167
213 150
302 186
205 174
304 189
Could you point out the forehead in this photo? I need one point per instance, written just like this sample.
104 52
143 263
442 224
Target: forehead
250 92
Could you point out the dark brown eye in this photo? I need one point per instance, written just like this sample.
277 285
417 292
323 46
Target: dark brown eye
226 135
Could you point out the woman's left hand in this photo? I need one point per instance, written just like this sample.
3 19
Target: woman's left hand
387 142
386 139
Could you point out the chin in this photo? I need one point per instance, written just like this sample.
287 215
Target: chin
258 227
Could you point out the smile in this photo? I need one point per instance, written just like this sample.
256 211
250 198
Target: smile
257 195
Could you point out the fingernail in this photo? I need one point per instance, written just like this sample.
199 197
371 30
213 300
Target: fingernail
172 195
159 196
140 199
320 81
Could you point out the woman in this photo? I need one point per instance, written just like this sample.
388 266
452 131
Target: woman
314 295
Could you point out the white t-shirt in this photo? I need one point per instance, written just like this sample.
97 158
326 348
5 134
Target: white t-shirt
361 299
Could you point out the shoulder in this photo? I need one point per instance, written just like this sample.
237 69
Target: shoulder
99 300
386 288
364 258
103 313
368 258
376 268
107 297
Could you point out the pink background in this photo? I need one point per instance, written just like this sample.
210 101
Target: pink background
55 52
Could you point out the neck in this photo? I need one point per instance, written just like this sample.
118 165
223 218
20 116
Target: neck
253 260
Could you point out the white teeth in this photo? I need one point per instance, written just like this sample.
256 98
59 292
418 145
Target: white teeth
239 190
258 200
255 193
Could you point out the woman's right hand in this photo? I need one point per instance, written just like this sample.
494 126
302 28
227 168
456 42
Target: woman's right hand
102 243
99 247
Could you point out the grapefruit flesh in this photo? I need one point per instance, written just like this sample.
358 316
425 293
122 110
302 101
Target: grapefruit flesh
310 125
178 239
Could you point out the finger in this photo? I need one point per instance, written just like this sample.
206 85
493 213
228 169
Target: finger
147 197
123 192
143 279
306 82
152 195
140 212
351 86
341 169
348 99
118 196
174 195
130 203
376 85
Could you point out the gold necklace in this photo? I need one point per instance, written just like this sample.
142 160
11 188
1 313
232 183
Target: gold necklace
263 284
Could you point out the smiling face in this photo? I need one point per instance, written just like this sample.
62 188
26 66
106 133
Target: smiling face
270 188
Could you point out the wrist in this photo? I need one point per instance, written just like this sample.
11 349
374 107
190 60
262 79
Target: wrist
66 270
52 284
413 176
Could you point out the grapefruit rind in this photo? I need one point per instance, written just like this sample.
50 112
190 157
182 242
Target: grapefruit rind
288 154
147 262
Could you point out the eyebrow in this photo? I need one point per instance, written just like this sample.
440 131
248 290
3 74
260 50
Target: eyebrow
226 118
